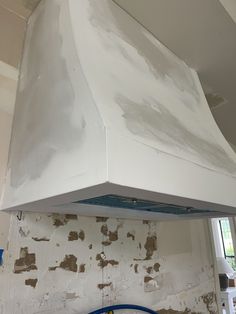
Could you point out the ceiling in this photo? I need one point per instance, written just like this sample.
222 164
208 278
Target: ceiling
203 34
22 8
13 17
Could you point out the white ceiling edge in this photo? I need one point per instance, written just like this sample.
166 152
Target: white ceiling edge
8 71
230 7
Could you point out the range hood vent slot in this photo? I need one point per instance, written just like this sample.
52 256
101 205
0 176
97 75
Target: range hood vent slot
117 201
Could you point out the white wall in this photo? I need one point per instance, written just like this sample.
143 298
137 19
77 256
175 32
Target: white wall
230 7
8 86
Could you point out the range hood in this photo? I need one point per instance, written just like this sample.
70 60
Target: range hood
109 122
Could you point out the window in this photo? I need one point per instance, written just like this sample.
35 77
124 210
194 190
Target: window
227 241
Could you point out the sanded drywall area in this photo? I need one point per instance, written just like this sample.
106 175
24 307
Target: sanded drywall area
202 33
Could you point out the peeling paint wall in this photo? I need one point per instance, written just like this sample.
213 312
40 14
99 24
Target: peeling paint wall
70 264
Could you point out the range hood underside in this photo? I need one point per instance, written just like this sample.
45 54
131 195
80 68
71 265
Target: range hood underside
125 202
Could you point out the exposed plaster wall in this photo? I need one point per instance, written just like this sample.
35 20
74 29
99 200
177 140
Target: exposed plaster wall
69 264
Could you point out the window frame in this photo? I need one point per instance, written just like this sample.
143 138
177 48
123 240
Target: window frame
223 239
218 243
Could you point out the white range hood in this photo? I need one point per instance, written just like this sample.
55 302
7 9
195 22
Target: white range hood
109 122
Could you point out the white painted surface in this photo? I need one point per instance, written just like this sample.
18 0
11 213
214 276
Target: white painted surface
183 282
56 117
107 102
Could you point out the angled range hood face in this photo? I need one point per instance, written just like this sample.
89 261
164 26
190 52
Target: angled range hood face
106 116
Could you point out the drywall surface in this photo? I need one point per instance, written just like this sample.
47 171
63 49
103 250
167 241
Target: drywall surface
67 264
105 87
144 92
204 38
57 124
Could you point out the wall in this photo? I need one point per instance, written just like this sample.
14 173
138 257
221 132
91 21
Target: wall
13 19
70 264
21 8
8 84
230 7
12 29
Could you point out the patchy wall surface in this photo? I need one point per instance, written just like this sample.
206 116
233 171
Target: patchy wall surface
70 264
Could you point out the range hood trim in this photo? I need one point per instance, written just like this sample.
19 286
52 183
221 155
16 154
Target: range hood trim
67 203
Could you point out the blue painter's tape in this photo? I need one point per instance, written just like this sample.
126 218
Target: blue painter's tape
117 201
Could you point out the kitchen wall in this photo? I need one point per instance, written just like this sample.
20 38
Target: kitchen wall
12 28
69 264
13 19
8 85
